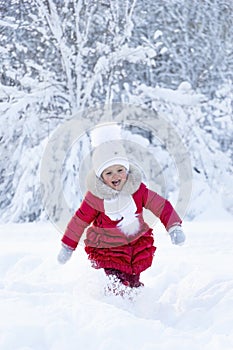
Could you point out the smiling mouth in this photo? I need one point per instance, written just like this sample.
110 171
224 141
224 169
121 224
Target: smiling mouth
116 183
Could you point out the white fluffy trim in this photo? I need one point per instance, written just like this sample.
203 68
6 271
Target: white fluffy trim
129 228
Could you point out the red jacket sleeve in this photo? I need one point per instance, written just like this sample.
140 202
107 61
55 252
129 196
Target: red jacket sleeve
76 226
160 207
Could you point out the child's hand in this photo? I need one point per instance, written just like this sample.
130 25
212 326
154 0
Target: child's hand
64 254
177 235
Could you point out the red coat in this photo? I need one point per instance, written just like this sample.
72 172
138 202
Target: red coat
106 245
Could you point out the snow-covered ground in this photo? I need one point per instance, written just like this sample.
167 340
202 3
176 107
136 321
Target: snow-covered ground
187 301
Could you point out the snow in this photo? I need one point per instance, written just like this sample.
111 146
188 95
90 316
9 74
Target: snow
187 301
157 34
177 97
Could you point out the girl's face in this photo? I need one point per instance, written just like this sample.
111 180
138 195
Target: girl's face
115 176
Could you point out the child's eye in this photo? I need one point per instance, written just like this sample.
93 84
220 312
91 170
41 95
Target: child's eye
108 173
120 170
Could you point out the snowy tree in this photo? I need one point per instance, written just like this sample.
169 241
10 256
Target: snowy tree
63 57
195 38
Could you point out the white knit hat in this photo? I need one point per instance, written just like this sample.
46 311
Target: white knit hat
107 154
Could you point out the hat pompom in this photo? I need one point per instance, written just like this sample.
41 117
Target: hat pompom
108 147
105 132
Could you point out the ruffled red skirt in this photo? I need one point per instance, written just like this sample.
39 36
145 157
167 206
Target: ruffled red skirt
131 258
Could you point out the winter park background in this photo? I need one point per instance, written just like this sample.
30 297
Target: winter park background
70 60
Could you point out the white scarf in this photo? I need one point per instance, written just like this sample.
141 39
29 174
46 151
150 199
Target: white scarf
123 207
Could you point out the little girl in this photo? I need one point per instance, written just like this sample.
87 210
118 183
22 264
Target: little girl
118 239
